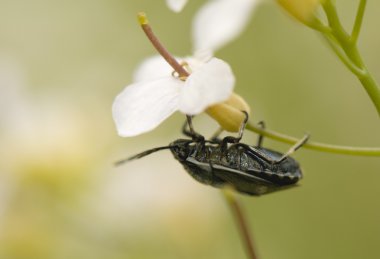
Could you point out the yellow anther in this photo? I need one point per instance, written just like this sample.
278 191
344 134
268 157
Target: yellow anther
141 16
176 75
186 66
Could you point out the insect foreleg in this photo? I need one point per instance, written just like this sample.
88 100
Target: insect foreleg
191 132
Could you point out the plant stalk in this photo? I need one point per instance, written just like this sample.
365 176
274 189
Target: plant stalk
242 223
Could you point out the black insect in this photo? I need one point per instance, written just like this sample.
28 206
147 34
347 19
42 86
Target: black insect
217 162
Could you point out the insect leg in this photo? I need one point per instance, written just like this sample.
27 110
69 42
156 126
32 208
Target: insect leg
215 136
185 131
230 139
242 126
261 137
191 132
291 150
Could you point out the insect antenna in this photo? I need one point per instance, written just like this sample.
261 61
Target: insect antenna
142 154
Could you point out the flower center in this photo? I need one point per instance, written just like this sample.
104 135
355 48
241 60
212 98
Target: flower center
185 66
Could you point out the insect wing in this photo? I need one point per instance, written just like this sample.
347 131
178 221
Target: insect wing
287 171
218 176
245 182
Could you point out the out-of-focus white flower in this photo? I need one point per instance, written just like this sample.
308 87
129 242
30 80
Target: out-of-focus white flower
156 93
176 5
218 22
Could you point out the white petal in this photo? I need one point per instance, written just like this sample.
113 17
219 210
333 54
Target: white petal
220 21
176 5
141 107
203 55
152 68
211 83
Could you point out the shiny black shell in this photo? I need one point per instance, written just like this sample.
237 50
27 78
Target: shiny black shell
247 169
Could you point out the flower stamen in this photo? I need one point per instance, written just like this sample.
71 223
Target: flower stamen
186 66
143 20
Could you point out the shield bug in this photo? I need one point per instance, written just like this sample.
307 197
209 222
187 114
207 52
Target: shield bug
252 170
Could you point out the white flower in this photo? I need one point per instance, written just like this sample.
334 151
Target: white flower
156 94
176 5
218 22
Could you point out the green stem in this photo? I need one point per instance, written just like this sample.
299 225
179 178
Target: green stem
342 56
358 21
241 221
372 89
346 150
345 47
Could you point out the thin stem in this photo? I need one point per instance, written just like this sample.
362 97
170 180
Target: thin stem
340 41
159 47
332 14
342 56
346 150
328 35
317 24
358 21
372 89
334 22
241 221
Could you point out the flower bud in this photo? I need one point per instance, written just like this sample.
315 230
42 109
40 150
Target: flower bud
302 10
229 113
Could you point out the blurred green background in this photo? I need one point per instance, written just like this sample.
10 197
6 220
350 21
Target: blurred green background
61 65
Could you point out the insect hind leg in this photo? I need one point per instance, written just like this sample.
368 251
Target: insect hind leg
260 139
294 148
